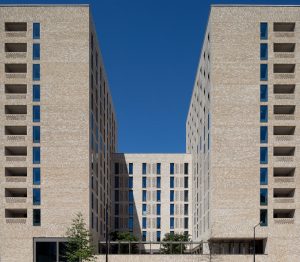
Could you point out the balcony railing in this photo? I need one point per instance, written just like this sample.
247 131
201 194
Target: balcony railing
284 34
15 158
284 179
15 117
16 138
16 34
284 96
15 75
16 179
15 199
284 200
15 54
284 55
284 220
284 117
15 96
284 138
284 75
283 158
16 220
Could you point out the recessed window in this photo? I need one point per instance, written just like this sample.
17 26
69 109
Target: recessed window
36 194
144 209
186 223
263 134
186 182
263 196
130 209
172 168
36 176
144 195
144 182
158 195
36 155
284 27
36 31
158 168
130 167
158 208
171 222
264 72
263 176
15 27
158 222
36 217
117 211
130 196
144 168
130 182
264 217
130 223
186 165
172 182
117 182
171 209
158 182
263 31
116 222
36 52
36 134
117 168
117 195
186 209
186 195
36 116
263 51
36 72
263 93
172 195
144 222
264 155
36 93
144 236
263 114
158 236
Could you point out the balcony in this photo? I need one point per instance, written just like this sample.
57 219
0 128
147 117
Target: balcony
15 70
16 216
284 154
15 153
284 91
284 29
15 91
284 133
15 133
15 112
283 195
284 71
15 50
15 195
284 216
284 50
15 29
15 174
284 112
284 174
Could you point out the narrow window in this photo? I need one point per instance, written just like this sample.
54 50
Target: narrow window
158 195
263 134
36 31
144 182
264 176
263 93
144 209
171 222
36 72
172 182
158 207
263 114
264 217
263 196
130 209
36 93
158 222
172 168
36 176
186 195
186 182
36 155
264 72
116 222
263 51
130 182
186 223
36 134
36 194
117 169
158 182
144 222
171 209
144 169
36 116
36 51
130 223
130 168
263 31
117 182
158 236
186 168
117 195
158 167
172 195
116 209
264 155
144 195
186 209
130 195
36 217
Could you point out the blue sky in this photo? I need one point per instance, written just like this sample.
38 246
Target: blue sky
151 50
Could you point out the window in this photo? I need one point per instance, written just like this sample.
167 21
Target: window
36 51
158 168
186 209
130 223
172 195
117 169
144 195
264 196
144 236
158 180
263 31
130 209
172 182
158 222
186 182
116 209
186 223
171 209
264 217
144 209
36 194
36 155
186 168
158 208
263 51
144 182
116 222
117 182
36 72
186 195
264 155
130 182
36 114
117 195
172 168
264 72
263 134
144 221
158 236
36 134
130 168
36 31
171 222
36 217
36 93
158 195
263 93
264 176
36 176
144 169
263 114
130 195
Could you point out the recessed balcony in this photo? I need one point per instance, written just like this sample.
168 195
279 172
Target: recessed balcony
15 174
284 195
15 153
284 112
15 133
284 91
15 70
15 50
15 112
15 195
15 216
15 29
284 133
284 174
284 71
17 91
284 216
283 154
284 29
284 50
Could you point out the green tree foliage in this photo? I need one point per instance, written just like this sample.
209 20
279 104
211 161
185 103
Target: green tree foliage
123 248
79 247
174 248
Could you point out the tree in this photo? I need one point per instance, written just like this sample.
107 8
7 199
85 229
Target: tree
174 248
124 237
78 246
